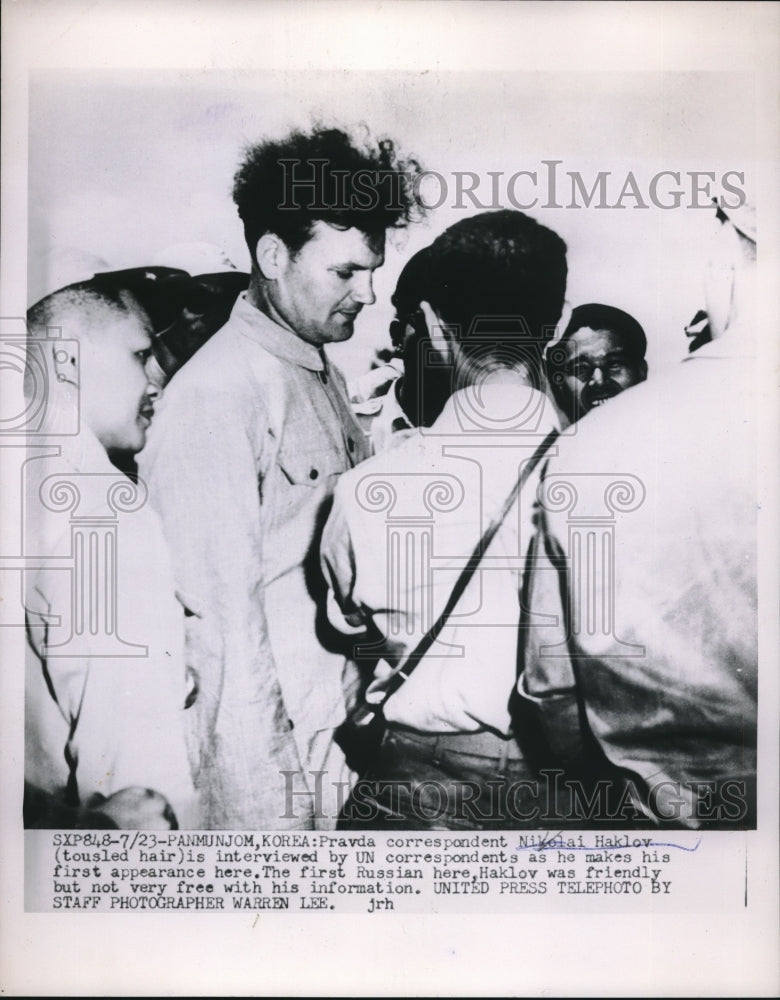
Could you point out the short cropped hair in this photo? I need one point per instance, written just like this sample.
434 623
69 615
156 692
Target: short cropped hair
76 311
499 276
285 186
597 316
85 298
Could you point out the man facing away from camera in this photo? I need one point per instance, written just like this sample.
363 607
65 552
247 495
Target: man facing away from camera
640 656
405 523
254 432
105 682
600 354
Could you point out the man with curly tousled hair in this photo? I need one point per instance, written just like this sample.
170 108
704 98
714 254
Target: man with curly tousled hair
256 429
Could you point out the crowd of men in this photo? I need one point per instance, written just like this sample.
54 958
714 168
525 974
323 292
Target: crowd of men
496 582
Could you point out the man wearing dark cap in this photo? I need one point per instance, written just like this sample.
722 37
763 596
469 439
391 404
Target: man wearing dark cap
206 290
600 354
254 432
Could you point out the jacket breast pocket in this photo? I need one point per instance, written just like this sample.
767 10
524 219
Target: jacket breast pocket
309 467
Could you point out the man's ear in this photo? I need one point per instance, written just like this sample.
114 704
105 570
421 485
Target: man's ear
272 255
440 337
563 322
66 361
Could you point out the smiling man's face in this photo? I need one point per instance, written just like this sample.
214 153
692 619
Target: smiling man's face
596 367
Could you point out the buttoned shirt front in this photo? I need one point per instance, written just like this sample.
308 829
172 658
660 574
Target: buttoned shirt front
245 451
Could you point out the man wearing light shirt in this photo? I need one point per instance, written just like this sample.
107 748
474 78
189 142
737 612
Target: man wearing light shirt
658 702
105 678
405 522
255 429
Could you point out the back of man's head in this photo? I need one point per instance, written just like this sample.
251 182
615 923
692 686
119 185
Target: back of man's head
499 280
69 315
285 186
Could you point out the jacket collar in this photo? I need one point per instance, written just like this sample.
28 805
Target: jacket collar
282 343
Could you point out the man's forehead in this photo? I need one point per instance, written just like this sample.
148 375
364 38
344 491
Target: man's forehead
587 339
132 328
352 246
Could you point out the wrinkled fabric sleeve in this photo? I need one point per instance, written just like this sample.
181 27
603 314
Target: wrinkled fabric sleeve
126 713
338 567
204 473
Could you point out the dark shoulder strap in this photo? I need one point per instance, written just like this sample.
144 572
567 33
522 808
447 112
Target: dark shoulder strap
422 647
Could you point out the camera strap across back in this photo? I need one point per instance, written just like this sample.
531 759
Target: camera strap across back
412 660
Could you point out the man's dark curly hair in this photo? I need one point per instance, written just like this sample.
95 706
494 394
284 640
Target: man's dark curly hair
497 279
285 186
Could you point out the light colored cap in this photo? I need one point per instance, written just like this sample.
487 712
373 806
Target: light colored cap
742 217
59 267
195 258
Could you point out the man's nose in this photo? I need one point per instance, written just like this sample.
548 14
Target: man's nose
153 388
597 376
363 289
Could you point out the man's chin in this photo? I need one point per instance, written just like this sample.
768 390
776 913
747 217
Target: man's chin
596 404
341 331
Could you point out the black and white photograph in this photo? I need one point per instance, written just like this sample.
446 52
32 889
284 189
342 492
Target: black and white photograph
390 486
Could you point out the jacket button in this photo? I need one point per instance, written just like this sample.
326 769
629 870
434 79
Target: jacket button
313 474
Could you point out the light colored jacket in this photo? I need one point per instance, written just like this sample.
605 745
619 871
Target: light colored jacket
650 505
242 459
105 677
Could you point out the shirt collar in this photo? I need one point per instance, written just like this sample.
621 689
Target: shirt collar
282 343
498 400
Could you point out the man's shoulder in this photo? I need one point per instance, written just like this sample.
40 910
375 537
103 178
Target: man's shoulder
227 359
687 430
404 454
228 373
